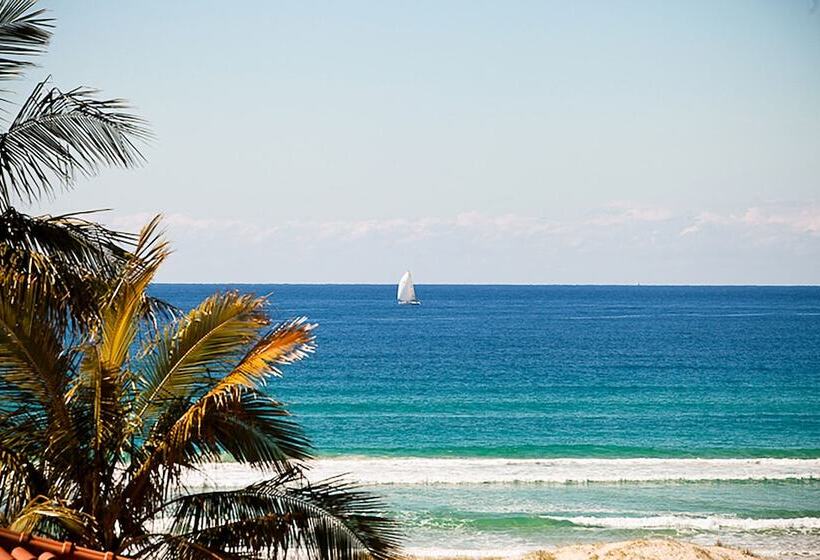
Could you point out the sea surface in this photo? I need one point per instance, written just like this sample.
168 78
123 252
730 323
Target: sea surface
509 418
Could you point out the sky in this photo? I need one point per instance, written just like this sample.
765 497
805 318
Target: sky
615 142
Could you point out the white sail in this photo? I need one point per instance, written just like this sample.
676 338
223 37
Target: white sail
406 291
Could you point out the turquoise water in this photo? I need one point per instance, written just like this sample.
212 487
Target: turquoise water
484 381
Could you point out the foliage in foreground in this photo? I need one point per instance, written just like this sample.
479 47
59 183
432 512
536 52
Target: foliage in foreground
106 399
98 429
53 138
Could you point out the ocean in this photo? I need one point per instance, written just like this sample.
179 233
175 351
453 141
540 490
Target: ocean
510 418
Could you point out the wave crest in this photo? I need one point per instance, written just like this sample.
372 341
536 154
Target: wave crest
390 471
712 524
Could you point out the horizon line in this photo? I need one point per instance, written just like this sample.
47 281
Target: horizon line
518 284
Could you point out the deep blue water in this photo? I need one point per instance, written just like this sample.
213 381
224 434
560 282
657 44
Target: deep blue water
498 417
553 371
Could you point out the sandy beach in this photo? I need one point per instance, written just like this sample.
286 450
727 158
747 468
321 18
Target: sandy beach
643 549
654 549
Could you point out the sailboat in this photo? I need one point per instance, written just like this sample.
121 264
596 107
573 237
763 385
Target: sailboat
407 292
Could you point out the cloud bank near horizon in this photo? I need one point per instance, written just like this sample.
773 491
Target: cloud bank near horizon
621 242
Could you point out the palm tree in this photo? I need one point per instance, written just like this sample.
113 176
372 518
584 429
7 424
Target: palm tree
106 404
98 431
55 137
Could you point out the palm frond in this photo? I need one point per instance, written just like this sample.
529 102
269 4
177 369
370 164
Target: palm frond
99 392
34 364
349 520
19 479
57 135
158 312
68 258
256 430
189 354
284 344
250 428
203 427
127 302
52 245
52 517
31 348
24 32
332 519
108 350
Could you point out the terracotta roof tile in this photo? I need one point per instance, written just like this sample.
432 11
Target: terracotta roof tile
22 546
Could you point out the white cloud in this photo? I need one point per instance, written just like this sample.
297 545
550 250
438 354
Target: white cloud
621 213
609 221
795 219
616 243
474 223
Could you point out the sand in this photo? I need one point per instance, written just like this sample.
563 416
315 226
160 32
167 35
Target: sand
644 549
655 549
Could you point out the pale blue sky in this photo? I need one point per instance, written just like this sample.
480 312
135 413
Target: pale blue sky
525 142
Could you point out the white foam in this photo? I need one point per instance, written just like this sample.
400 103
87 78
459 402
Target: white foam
802 524
380 471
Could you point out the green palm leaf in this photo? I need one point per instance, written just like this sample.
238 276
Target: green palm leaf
199 427
19 479
100 388
24 32
257 430
284 344
57 135
191 353
97 431
250 428
108 396
50 515
34 365
55 245
126 303
67 258
331 519
32 361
